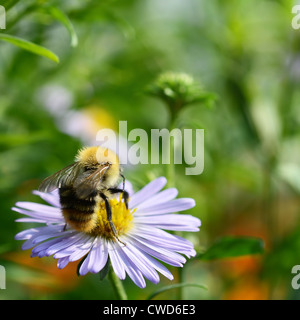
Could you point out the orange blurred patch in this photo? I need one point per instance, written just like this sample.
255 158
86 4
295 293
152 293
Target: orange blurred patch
252 227
244 265
239 266
249 288
43 274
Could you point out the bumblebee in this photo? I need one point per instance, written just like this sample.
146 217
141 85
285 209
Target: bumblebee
94 176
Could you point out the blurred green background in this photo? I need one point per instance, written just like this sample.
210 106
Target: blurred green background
245 52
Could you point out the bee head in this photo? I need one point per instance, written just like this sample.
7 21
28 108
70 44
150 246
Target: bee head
93 156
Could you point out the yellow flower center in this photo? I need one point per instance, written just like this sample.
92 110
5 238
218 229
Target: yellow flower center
121 218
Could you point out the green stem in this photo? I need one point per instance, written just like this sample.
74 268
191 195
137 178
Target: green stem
171 167
171 184
117 285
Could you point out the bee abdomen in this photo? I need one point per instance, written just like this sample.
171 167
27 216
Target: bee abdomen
78 220
78 213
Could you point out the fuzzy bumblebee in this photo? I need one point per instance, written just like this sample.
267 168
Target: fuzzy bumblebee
92 180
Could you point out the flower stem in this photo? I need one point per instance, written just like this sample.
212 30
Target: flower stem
117 285
171 184
171 167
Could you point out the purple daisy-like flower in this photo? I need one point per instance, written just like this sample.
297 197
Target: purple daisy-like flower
141 227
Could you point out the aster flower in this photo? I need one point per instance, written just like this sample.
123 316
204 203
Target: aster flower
141 227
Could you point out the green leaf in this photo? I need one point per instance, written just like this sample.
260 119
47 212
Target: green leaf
7 4
21 139
63 19
174 286
30 46
233 246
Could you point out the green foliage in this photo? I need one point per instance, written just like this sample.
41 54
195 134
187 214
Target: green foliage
243 52
178 90
175 286
56 13
231 246
29 46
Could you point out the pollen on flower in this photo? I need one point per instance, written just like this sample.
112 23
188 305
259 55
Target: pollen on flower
121 218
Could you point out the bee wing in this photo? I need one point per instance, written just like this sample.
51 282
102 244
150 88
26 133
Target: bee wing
64 177
87 183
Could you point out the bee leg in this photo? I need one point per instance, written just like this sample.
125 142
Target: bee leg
125 197
125 194
65 227
123 182
109 217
